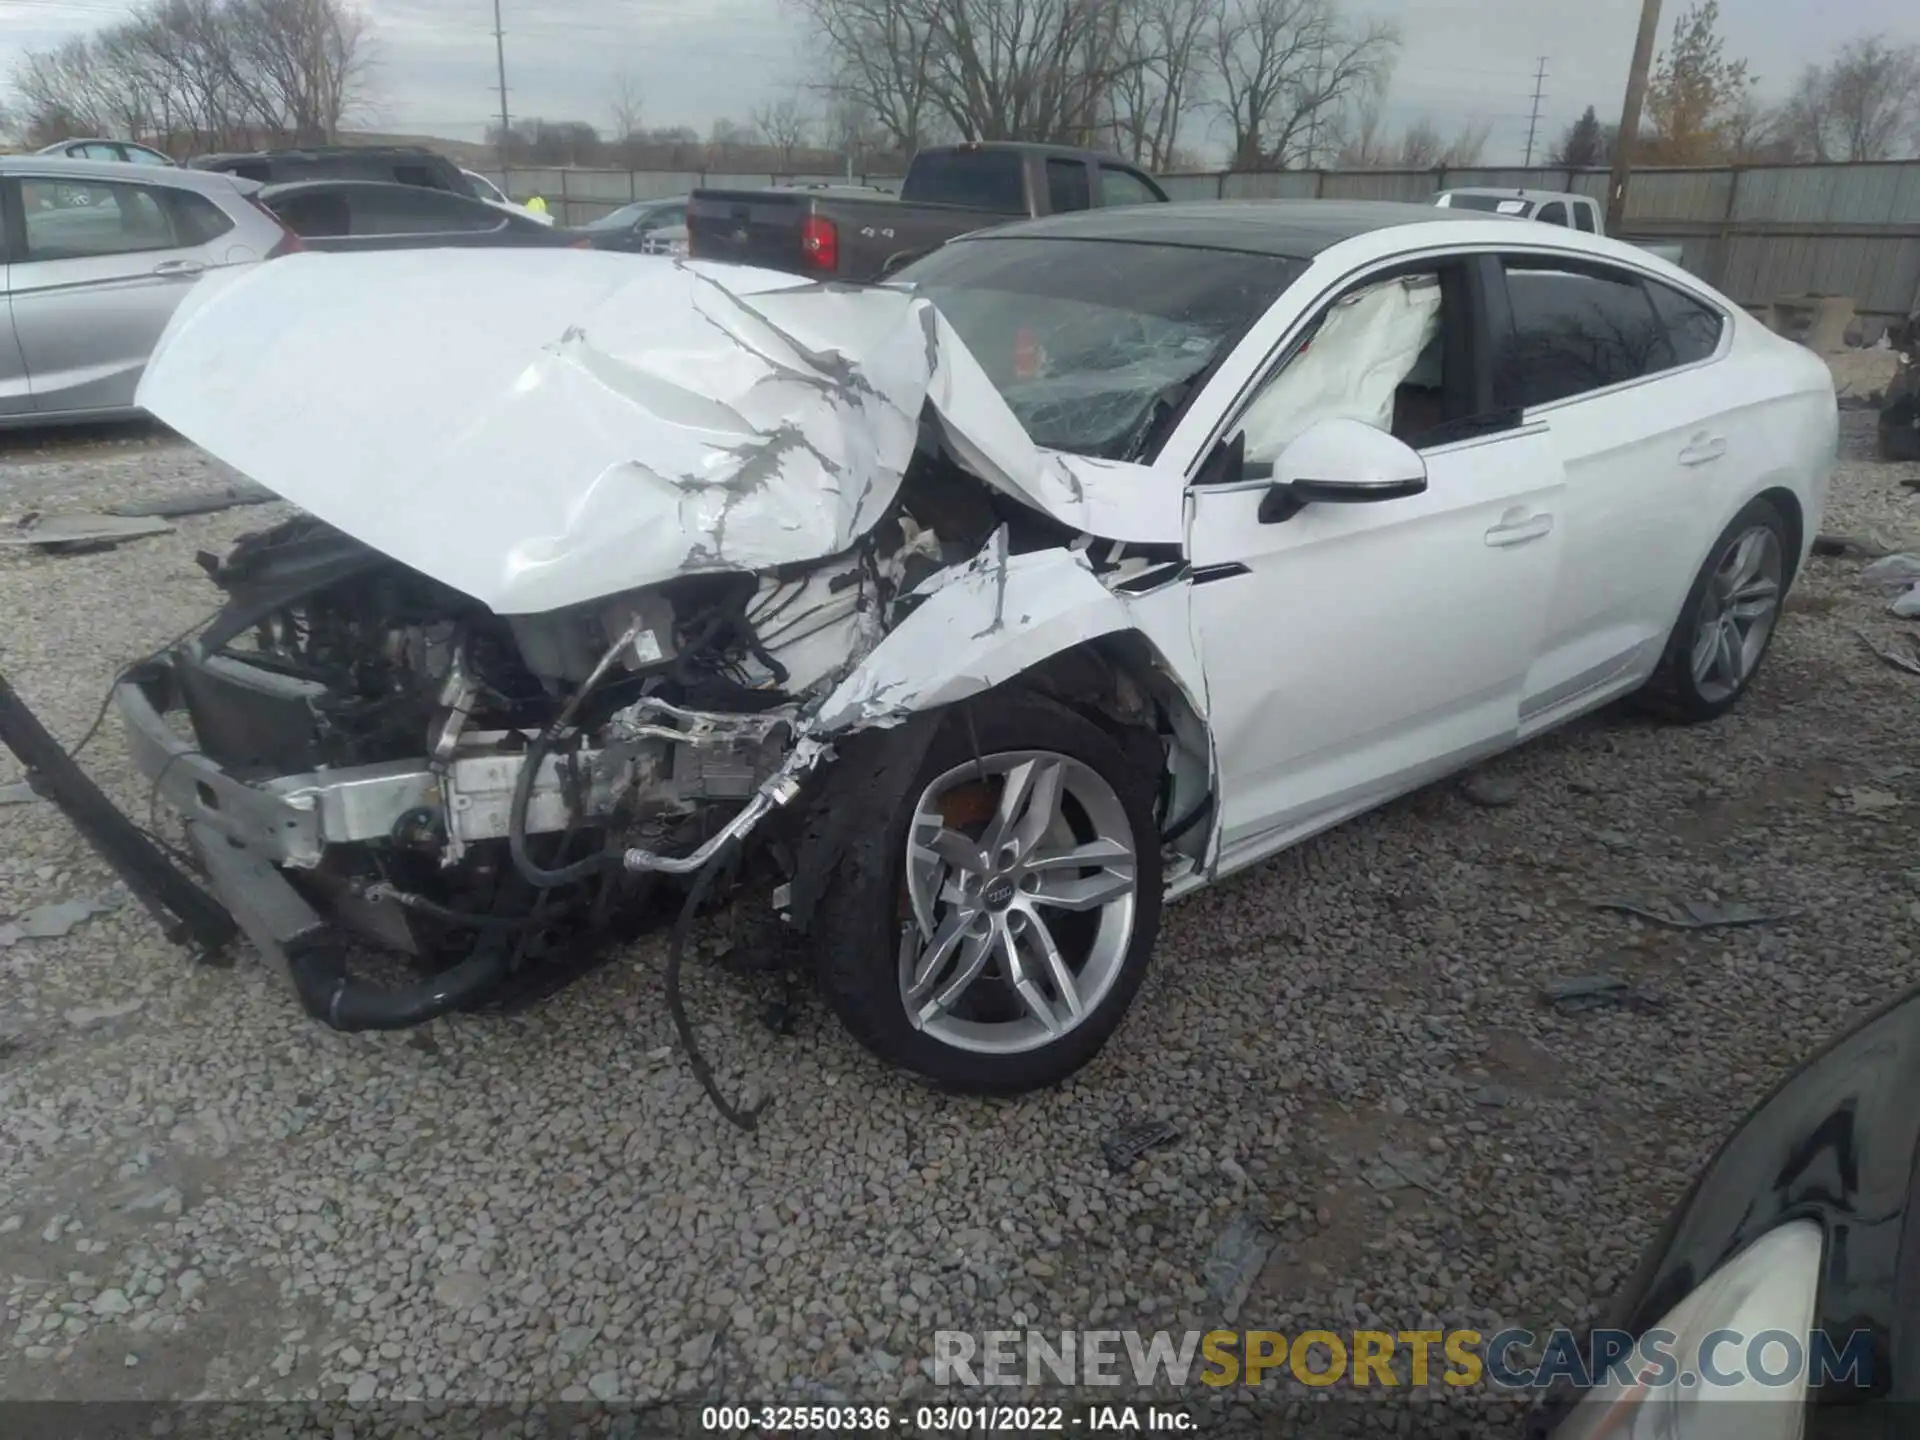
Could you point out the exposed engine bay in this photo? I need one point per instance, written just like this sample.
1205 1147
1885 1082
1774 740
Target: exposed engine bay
495 795
678 600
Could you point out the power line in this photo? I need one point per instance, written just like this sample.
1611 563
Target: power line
1533 120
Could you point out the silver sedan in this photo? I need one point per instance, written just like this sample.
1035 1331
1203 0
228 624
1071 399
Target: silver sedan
98 256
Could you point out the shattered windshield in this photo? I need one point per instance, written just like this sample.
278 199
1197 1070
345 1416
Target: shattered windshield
1096 344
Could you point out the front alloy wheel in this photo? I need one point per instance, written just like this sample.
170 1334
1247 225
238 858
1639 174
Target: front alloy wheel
992 934
1021 921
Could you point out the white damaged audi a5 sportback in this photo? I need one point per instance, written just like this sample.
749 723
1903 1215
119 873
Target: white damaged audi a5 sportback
965 618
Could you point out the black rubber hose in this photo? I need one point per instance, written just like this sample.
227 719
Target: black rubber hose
1187 821
334 997
721 862
473 919
532 873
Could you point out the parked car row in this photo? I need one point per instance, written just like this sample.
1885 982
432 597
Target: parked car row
104 250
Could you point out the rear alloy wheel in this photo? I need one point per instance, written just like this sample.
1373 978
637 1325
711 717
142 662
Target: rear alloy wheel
1728 621
993 937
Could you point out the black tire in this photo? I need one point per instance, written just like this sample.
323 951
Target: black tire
1672 692
857 926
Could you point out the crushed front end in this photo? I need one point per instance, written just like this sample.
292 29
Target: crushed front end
363 755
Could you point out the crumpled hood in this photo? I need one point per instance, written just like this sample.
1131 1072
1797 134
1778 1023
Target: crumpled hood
539 428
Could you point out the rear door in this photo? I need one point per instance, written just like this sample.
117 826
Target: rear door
1626 384
99 268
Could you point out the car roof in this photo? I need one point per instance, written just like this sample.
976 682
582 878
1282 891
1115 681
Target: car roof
353 182
1293 229
206 182
1538 197
323 152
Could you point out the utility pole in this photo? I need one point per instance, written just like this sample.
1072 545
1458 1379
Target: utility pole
1533 120
1630 113
500 54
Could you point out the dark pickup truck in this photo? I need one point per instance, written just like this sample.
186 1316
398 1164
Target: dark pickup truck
853 234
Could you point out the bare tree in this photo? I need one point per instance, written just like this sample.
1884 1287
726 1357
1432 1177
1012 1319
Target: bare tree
1863 105
878 53
851 133
1157 86
1282 65
1360 138
785 128
1468 147
624 108
203 73
1023 69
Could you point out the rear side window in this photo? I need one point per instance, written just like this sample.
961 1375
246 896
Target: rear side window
1583 219
976 179
1575 331
1120 187
196 219
1693 329
1068 187
74 220
412 211
1554 213
419 175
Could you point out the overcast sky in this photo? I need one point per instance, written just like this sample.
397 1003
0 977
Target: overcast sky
1464 61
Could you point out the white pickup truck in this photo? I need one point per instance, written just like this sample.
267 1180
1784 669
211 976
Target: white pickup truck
1550 207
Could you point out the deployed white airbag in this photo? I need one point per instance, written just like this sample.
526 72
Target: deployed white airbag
1364 350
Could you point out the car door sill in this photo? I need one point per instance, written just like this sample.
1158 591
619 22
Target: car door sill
1335 810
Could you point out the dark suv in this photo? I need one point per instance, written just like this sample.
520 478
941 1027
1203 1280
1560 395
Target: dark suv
391 164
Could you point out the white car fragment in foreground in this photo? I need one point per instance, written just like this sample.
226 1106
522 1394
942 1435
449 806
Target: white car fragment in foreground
971 616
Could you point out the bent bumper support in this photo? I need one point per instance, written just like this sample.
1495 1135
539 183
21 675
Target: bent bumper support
247 835
185 911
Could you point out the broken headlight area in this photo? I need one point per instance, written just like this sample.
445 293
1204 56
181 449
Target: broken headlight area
363 754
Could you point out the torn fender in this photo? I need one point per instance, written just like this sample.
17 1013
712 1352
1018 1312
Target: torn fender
541 428
985 622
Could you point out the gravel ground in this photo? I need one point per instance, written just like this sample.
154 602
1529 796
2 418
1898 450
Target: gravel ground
204 1194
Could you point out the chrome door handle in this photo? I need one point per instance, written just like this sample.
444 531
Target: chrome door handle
184 269
1702 449
1518 532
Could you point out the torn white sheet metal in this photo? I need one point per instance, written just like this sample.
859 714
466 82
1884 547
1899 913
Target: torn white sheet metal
541 428
984 622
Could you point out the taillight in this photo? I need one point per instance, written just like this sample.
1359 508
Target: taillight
580 244
819 243
289 242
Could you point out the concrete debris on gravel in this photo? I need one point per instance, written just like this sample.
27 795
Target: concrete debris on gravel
50 921
534 1206
80 533
1697 914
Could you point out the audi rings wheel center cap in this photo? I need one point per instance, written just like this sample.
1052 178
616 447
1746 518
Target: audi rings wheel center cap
998 892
